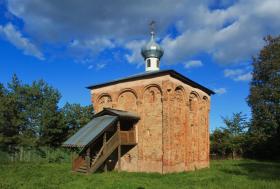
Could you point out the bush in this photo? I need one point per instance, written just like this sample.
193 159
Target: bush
40 154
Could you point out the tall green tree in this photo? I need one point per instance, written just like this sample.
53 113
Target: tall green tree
76 116
30 116
236 127
264 100
43 113
12 115
219 143
231 139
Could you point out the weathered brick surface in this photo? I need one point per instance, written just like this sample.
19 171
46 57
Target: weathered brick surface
173 133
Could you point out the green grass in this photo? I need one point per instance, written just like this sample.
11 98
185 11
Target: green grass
222 174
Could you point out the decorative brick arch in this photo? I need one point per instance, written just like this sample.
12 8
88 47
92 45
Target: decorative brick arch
178 127
205 109
194 129
104 101
182 89
127 100
194 99
128 90
151 86
205 101
151 127
204 133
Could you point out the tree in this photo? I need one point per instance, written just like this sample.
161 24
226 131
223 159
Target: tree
44 114
30 116
236 128
12 115
76 116
219 143
3 94
230 140
264 100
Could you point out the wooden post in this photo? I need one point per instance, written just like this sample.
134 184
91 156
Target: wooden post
104 138
88 159
104 143
72 159
105 167
119 147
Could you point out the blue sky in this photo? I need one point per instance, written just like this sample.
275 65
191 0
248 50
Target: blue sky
72 44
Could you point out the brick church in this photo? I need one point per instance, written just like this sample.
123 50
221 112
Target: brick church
156 121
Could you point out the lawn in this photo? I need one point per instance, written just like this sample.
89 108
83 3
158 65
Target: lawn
222 174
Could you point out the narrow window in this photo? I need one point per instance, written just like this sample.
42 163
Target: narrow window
191 104
158 63
148 63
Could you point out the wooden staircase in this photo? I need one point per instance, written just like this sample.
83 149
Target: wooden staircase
82 168
84 164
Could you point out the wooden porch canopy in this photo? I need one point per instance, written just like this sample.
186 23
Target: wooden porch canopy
100 123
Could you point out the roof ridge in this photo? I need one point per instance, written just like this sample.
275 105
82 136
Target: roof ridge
172 73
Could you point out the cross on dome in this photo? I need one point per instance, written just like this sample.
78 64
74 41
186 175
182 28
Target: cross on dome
152 51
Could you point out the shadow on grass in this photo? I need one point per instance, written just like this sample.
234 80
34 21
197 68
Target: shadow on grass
256 170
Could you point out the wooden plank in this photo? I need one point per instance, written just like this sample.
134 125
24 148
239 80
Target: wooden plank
106 151
119 146
128 137
105 148
119 158
88 159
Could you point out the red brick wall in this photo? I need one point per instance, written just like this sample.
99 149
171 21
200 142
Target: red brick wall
173 133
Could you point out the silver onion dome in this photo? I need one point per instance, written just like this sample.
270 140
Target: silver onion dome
152 49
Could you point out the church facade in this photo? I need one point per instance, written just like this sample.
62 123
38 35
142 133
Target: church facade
173 131
156 121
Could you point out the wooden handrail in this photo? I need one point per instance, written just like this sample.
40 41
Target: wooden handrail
98 155
105 151
119 138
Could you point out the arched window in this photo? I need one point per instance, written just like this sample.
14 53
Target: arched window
148 63
191 104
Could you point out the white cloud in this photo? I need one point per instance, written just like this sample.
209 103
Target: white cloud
10 33
229 35
95 46
90 67
220 91
100 66
238 74
135 51
244 77
193 64
97 67
232 72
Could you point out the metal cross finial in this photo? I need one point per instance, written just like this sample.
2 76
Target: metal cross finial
152 27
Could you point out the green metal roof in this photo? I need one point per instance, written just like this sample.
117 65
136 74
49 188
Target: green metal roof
90 131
